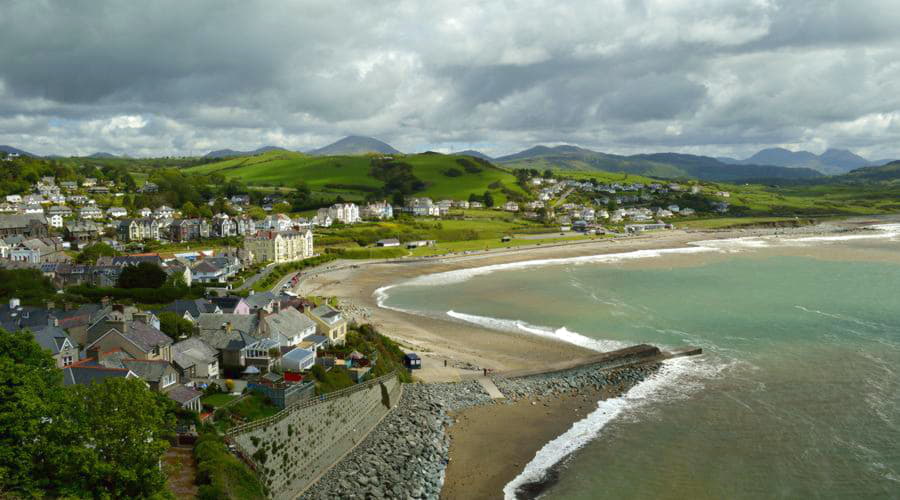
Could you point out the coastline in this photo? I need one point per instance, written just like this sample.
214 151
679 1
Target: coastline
468 348
521 426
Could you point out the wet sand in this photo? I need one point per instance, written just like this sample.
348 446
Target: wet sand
492 444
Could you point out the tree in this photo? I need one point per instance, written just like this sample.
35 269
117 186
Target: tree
488 199
28 285
281 208
30 387
90 254
256 213
301 198
548 174
143 275
124 428
174 325
189 209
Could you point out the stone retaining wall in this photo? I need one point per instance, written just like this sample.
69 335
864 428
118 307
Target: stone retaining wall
291 450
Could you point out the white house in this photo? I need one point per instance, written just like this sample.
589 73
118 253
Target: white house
55 220
90 213
116 212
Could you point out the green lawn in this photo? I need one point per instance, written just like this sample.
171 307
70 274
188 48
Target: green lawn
253 407
492 244
216 400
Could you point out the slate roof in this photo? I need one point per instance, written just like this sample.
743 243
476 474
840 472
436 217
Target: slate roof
133 260
141 334
327 314
52 338
226 304
19 221
288 323
243 330
149 370
145 336
86 374
190 351
194 307
260 300
182 395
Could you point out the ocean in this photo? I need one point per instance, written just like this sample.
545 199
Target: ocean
797 394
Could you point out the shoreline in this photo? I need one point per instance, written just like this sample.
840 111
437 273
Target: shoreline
467 348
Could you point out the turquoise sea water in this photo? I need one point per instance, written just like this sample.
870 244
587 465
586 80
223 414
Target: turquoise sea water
796 396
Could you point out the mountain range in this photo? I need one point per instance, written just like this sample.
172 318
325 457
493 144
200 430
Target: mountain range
661 165
230 153
831 162
12 150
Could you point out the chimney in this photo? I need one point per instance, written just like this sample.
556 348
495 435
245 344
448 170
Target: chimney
51 321
119 307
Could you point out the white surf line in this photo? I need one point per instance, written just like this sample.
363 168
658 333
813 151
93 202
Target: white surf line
517 326
590 427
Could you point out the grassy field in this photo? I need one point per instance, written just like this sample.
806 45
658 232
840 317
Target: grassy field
813 199
730 222
217 400
492 244
349 175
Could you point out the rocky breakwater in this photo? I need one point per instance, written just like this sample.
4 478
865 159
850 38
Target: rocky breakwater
614 381
405 456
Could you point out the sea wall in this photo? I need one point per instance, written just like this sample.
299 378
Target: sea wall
291 449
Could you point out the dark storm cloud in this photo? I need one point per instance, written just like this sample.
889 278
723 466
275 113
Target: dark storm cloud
712 76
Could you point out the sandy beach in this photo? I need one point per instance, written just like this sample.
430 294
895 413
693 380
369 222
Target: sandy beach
468 349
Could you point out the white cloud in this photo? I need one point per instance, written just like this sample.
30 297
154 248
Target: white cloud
704 76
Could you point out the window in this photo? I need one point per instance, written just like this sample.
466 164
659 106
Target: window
67 360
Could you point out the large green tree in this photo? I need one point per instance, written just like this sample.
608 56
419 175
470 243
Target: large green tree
28 285
29 399
91 253
102 440
143 275
174 325
124 429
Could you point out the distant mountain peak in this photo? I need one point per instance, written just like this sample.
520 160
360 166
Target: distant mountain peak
12 150
832 161
102 154
354 145
230 153
473 153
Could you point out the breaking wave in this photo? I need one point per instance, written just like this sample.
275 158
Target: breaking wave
517 326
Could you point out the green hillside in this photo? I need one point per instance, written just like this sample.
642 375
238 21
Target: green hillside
443 176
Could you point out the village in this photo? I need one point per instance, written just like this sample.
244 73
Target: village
202 309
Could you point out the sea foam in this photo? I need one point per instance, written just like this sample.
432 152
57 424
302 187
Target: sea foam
676 379
517 326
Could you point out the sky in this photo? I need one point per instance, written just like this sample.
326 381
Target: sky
714 77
